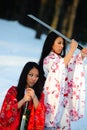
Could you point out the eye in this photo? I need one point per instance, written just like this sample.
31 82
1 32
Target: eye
36 75
59 42
30 75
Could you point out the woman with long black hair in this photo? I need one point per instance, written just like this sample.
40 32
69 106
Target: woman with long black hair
29 90
64 84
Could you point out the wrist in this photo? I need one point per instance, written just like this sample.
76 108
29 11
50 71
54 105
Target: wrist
72 51
23 100
34 97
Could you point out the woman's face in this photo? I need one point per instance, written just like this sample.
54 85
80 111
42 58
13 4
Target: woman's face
32 77
58 45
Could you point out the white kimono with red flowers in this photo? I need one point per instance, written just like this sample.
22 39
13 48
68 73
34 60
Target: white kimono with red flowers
64 89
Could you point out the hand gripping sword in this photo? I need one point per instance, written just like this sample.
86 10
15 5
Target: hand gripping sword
52 29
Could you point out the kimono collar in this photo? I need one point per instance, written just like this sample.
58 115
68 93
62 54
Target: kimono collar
53 54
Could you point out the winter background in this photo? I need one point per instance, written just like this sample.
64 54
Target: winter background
18 46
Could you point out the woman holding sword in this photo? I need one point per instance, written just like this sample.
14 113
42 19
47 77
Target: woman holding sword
64 82
26 96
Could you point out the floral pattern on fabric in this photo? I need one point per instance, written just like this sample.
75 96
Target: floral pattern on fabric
64 88
10 115
37 117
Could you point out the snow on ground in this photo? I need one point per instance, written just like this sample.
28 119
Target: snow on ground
18 46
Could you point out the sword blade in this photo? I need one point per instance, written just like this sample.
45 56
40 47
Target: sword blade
52 29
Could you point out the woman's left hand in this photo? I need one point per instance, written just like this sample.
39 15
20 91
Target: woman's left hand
31 92
33 96
84 52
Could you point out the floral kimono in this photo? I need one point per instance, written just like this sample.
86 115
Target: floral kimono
64 91
10 114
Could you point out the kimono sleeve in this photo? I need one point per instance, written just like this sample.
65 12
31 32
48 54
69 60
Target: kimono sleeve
9 107
37 117
76 87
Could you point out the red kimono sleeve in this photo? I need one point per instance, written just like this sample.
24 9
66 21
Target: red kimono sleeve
9 107
37 117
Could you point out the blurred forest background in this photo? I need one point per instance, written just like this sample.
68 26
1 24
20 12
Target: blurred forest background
67 16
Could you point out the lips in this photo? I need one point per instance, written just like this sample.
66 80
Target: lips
32 83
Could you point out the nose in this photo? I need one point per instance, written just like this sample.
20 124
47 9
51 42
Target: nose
34 78
62 45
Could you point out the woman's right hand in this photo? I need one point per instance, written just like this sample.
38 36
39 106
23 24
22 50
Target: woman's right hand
73 45
27 96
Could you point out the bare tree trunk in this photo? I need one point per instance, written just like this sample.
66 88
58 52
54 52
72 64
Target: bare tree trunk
58 4
72 17
65 19
40 15
44 14
69 18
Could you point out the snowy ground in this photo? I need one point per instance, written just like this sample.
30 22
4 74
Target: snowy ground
18 46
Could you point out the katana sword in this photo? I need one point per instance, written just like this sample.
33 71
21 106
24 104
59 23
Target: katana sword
23 121
52 29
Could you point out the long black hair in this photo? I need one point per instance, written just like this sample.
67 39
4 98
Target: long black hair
47 47
22 81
